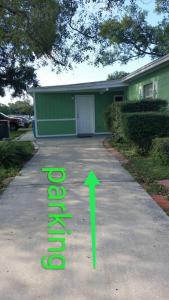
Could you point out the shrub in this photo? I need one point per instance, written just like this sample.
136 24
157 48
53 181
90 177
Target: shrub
108 117
160 150
13 154
113 120
144 105
141 128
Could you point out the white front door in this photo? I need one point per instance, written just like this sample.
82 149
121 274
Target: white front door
85 114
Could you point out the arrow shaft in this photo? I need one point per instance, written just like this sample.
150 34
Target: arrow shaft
92 196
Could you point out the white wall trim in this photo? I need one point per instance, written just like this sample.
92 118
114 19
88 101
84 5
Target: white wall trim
55 135
35 115
75 112
48 120
106 132
73 134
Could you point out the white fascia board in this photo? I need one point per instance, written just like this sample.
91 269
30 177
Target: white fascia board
147 68
82 87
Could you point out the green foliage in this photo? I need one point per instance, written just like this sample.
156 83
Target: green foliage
146 170
117 75
4 109
113 120
41 32
108 117
141 128
144 105
13 154
130 35
27 33
6 173
21 108
160 150
162 6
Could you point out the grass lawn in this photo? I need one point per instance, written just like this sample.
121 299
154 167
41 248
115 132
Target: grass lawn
146 170
20 131
13 156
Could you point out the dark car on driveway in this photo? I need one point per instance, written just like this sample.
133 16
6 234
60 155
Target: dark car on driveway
26 121
14 123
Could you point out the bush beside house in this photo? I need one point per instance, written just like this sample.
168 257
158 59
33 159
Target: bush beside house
142 133
144 105
138 122
141 128
113 119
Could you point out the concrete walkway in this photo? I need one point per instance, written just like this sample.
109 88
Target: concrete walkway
28 136
132 231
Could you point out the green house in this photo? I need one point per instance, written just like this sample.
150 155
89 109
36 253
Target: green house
78 109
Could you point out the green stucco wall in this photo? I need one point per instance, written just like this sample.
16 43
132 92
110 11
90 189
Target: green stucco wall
50 106
160 76
102 101
56 127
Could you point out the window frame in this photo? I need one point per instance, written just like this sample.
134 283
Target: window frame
118 96
144 92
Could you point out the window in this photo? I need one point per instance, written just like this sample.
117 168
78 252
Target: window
118 98
148 90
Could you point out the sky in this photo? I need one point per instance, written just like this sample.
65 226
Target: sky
86 73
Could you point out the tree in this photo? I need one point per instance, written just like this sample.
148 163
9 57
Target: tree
38 32
4 109
21 108
162 6
129 35
117 75
63 32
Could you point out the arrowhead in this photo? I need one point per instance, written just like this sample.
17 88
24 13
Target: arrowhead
91 179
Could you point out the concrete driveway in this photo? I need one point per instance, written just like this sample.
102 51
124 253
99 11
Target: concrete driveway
132 231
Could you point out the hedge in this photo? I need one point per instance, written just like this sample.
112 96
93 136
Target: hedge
113 120
108 117
144 106
160 150
141 128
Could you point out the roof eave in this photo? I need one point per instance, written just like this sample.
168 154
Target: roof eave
75 90
152 66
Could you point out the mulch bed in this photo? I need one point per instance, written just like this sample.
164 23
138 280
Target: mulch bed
165 183
161 201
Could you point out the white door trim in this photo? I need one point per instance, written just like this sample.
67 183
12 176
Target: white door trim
93 96
35 115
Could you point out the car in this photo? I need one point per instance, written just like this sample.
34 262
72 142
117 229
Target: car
14 123
26 121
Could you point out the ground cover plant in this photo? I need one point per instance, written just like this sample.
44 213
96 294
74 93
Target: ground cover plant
13 155
19 132
145 169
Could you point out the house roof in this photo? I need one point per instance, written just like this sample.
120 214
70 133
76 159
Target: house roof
87 86
105 85
152 66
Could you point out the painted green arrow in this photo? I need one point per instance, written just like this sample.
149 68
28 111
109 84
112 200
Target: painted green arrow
91 181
